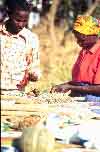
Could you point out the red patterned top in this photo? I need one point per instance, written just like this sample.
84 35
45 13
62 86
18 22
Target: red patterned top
87 66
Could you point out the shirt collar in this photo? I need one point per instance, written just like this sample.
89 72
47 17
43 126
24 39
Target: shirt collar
3 29
95 47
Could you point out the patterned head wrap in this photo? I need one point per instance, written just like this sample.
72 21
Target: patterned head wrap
87 25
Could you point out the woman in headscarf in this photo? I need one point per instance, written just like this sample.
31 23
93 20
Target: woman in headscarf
86 70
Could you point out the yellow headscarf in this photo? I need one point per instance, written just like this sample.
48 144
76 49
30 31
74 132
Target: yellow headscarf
87 25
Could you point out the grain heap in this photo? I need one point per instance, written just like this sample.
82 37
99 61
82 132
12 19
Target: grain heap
39 98
54 98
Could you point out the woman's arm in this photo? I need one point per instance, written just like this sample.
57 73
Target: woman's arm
90 89
76 87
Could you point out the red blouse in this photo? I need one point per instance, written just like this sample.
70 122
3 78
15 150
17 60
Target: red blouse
87 66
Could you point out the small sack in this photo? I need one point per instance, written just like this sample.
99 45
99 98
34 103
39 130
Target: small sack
37 140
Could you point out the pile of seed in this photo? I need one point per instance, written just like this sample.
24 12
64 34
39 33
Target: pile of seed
49 98
52 98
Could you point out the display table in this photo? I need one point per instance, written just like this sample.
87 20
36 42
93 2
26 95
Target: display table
61 116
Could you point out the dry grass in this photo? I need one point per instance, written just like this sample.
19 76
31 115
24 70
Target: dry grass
56 65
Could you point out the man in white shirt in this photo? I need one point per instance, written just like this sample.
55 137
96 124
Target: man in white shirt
19 49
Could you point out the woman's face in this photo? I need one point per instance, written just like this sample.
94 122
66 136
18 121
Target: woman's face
85 41
19 19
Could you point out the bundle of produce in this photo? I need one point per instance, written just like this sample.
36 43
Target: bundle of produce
19 123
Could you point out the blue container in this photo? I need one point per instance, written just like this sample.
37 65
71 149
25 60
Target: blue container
8 149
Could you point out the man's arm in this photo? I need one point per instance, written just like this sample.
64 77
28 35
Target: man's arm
33 60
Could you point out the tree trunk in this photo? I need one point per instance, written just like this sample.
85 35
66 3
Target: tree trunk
51 25
91 8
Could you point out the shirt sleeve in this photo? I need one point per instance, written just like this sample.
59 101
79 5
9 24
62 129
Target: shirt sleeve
97 75
32 57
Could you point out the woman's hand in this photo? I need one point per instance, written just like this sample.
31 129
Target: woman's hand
63 88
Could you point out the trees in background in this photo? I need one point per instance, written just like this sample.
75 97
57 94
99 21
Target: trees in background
65 13
66 10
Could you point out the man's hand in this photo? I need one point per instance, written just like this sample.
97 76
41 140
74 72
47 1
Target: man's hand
33 76
23 82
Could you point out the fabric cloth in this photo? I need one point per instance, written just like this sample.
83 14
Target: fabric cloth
87 67
18 53
87 25
94 98
88 97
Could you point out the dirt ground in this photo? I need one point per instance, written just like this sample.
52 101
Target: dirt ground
56 64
